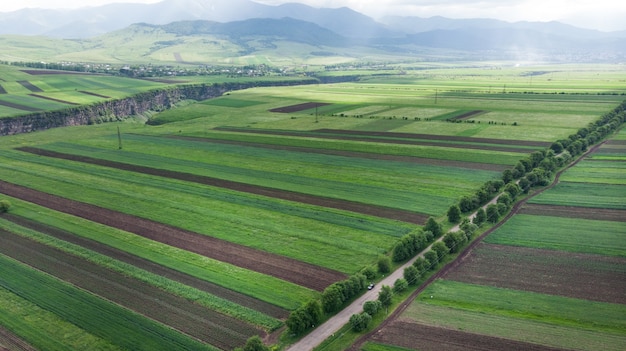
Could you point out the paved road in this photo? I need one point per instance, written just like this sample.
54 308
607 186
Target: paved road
331 326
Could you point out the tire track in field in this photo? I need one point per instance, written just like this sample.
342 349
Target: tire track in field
181 314
230 295
285 268
346 205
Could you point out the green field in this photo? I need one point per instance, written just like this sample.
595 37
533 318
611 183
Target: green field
421 179
593 195
530 317
99 317
564 234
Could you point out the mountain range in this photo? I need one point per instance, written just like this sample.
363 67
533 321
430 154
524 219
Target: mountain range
317 27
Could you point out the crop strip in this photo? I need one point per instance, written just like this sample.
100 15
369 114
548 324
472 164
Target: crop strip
298 107
12 342
193 319
429 338
372 210
19 107
149 266
469 114
301 273
603 214
356 154
53 99
2 90
30 86
382 138
94 94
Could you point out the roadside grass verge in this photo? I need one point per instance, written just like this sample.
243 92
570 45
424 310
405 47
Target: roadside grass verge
565 234
262 287
99 317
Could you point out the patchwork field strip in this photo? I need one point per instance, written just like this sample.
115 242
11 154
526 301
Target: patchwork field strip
401 138
94 94
12 342
2 90
304 274
372 210
428 338
240 299
179 313
582 276
356 154
53 99
298 107
19 107
603 214
41 72
469 114
30 86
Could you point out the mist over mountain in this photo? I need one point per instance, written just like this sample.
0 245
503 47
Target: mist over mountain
240 20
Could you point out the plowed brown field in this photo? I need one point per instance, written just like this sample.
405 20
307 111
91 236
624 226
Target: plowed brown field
582 276
301 273
152 267
200 322
426 338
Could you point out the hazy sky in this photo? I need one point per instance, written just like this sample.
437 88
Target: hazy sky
603 15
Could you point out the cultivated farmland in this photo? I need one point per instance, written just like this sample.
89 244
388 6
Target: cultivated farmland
551 278
226 216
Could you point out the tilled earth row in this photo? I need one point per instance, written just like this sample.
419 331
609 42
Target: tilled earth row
238 298
200 322
301 273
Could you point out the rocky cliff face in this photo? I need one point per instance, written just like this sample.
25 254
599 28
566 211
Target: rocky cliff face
116 110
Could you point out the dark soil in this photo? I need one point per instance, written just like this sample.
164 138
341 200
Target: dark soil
467 115
28 85
53 99
152 267
581 276
198 321
12 342
297 272
602 214
372 210
19 107
94 94
427 338
384 137
355 154
298 107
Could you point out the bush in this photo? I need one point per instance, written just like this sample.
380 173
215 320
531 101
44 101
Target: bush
433 227
369 273
254 343
481 217
441 249
5 205
454 214
385 295
432 258
411 275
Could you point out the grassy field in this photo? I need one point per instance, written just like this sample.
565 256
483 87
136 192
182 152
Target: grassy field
565 234
530 317
427 181
595 195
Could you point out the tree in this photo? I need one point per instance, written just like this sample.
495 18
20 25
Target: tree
505 198
400 285
433 227
385 295
468 228
384 264
332 298
524 185
481 217
513 190
411 275
432 258
372 307
441 249
369 272
507 176
455 240
454 214
254 343
360 321
314 309
421 265
5 205
492 213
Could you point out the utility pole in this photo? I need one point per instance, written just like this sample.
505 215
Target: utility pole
119 138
